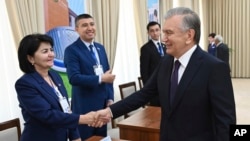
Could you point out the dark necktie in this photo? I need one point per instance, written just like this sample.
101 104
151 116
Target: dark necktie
92 52
174 81
160 49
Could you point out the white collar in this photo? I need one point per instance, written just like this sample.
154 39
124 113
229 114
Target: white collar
156 42
184 59
87 43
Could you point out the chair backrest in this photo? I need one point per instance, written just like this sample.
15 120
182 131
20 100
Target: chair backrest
140 82
127 89
10 130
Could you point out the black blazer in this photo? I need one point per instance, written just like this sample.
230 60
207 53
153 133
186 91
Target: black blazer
222 52
203 107
149 59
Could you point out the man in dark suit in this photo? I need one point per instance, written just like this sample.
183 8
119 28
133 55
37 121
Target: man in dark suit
202 106
222 50
151 53
89 74
211 46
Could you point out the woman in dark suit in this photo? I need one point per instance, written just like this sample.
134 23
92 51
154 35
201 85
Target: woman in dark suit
42 95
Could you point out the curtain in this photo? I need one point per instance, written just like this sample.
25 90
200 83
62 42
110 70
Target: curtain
126 65
27 17
165 5
9 71
230 18
106 15
141 21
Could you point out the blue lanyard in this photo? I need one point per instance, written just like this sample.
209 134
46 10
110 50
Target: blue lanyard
56 90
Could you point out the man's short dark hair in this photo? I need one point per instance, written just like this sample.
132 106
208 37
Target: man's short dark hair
82 16
212 35
152 24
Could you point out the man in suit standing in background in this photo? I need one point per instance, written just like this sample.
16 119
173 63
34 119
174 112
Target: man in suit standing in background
211 46
222 50
195 88
151 53
89 74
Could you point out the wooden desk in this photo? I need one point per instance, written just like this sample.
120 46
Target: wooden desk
98 138
142 126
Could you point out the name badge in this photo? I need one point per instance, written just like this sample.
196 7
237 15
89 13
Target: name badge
108 138
98 69
65 105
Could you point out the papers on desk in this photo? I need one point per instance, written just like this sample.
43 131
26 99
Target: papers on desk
106 139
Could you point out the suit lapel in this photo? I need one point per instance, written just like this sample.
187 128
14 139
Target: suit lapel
48 90
100 53
167 81
83 48
164 48
164 76
58 84
154 48
192 68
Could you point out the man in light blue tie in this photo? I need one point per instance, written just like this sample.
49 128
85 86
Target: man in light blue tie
89 74
151 53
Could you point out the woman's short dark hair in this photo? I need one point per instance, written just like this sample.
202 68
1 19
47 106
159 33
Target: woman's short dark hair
28 46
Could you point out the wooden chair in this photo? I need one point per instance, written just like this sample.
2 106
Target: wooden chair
127 89
140 82
113 123
8 131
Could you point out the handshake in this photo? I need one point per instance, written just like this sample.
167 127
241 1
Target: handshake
96 119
